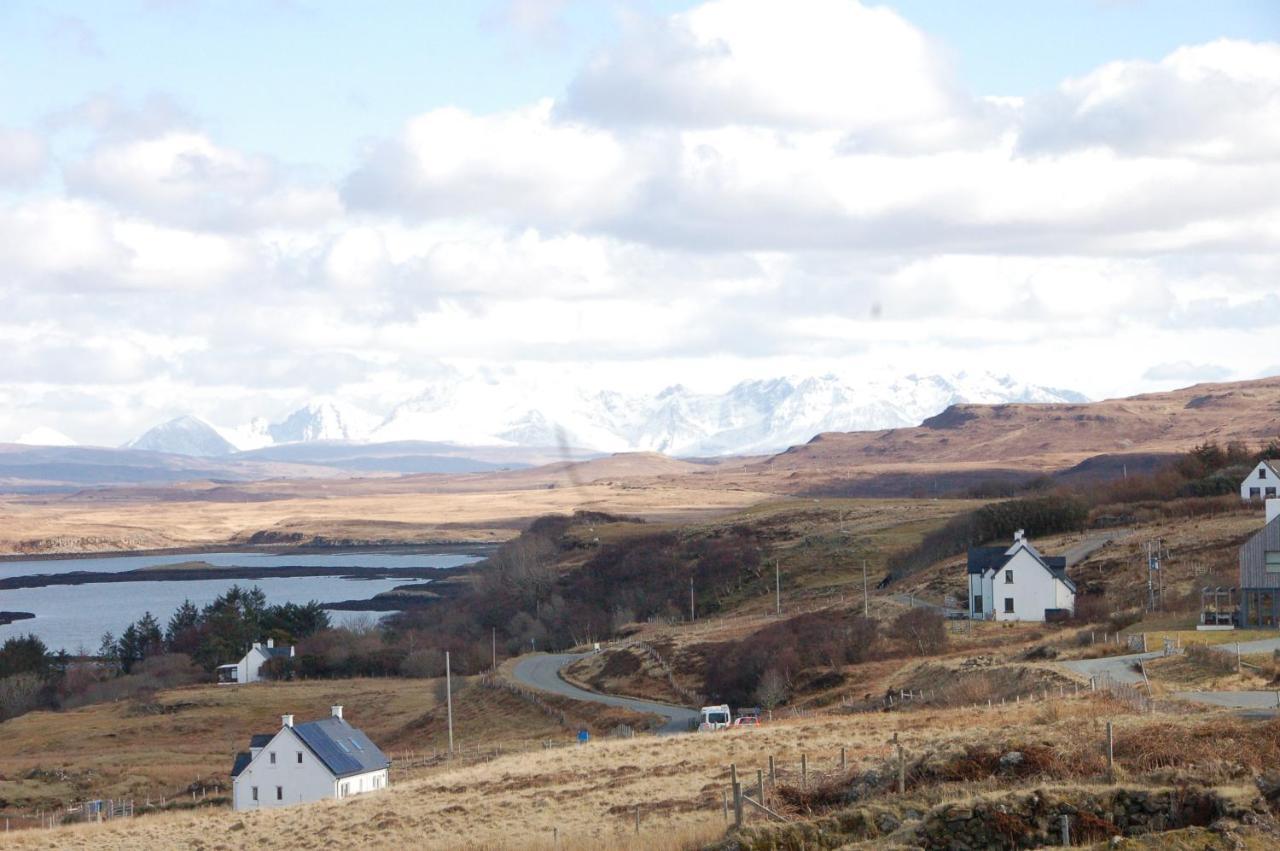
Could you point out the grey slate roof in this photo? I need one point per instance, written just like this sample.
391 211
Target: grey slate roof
343 749
242 762
274 652
261 740
982 559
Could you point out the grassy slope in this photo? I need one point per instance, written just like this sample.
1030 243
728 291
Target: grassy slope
588 794
190 735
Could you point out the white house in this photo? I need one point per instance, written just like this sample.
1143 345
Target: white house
1018 583
249 669
1262 482
318 760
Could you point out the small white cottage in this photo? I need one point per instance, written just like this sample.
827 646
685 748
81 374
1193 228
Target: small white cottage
1261 483
318 760
249 669
1018 583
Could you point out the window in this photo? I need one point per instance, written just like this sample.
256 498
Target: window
279 793
1262 472
1255 493
346 789
977 604
1273 562
273 757
1008 605
1271 493
1008 577
299 757
255 793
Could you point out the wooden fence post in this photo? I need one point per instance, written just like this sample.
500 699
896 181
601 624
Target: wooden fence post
637 819
1066 830
737 804
725 796
1111 754
842 759
773 775
760 785
902 766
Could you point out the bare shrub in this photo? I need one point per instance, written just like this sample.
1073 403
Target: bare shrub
921 629
773 689
423 664
19 694
1207 658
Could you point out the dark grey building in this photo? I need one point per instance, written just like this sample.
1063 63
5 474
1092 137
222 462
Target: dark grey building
1260 576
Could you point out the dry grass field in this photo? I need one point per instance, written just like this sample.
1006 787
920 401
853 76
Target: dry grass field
586 797
187 737
64 525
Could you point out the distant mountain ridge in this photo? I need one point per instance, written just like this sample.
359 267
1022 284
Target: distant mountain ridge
751 418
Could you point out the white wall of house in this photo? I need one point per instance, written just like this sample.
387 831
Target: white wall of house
980 586
1261 483
299 779
1033 589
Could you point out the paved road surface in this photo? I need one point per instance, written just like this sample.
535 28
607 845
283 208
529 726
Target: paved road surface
1121 669
543 672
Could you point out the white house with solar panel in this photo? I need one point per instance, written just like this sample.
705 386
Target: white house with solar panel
318 760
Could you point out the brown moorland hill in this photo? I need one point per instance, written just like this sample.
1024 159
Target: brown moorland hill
968 442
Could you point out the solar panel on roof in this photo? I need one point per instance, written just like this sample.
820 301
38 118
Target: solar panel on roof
356 744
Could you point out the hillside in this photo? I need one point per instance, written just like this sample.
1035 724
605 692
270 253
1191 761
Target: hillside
967 443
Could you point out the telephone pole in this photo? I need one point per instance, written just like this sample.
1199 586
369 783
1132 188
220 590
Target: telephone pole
495 650
448 696
692 612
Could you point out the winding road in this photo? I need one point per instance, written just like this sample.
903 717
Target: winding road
1120 668
543 672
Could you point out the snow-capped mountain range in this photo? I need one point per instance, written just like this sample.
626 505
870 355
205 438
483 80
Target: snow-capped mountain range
752 417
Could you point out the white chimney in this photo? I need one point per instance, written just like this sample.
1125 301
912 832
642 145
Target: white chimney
1019 535
257 645
287 719
1273 509
336 710
271 642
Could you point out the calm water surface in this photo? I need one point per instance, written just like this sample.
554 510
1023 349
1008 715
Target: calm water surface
70 617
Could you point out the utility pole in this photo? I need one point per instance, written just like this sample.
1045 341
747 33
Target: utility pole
866 610
777 586
692 612
495 650
448 696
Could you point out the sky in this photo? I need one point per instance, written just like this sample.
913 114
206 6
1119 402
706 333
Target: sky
230 208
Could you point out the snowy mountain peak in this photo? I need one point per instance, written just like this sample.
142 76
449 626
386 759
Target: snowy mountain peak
44 436
752 417
184 435
324 419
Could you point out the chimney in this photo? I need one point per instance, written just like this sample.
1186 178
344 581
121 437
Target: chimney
1273 509
271 642
336 710
257 645
1019 535
287 719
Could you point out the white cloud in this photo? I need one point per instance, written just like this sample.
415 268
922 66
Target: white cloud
1216 102
511 166
24 156
183 177
819 64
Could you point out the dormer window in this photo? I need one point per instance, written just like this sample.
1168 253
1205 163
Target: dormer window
1008 577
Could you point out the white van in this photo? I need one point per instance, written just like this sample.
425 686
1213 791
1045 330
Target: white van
715 718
